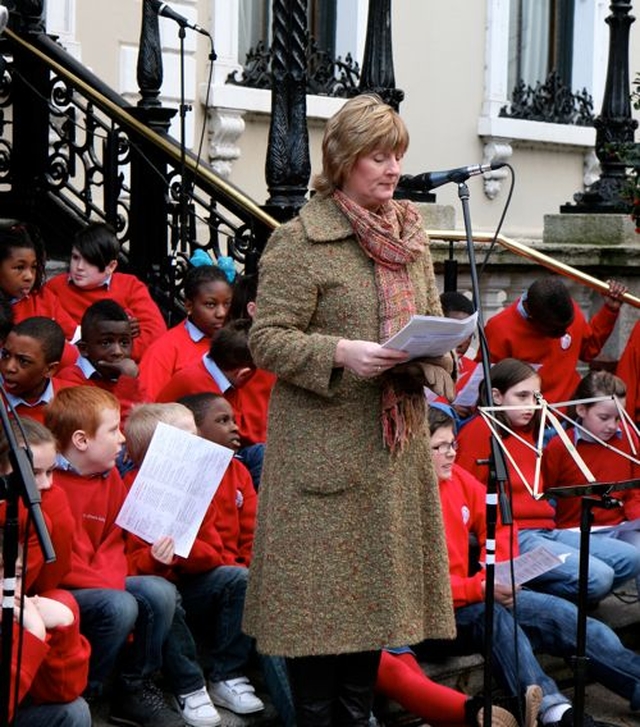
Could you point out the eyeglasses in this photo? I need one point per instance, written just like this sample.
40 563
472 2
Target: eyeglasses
445 447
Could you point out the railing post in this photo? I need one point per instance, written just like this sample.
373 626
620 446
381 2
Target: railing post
614 126
30 128
377 74
288 165
149 194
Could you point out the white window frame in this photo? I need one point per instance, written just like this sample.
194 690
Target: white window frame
591 39
351 32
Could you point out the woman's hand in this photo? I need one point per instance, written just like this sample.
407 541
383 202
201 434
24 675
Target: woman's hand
367 359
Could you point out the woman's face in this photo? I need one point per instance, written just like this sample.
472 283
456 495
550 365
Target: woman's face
373 179
521 395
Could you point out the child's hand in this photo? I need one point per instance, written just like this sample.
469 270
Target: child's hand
135 326
115 369
31 618
53 613
613 297
163 550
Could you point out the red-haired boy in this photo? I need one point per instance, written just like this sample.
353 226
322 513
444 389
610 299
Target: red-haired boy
86 423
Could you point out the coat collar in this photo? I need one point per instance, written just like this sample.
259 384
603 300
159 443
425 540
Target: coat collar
323 221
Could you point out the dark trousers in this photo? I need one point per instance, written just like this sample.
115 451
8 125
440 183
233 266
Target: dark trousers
333 691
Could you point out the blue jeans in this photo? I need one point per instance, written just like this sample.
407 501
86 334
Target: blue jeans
515 673
611 562
551 624
628 536
214 602
181 666
72 714
107 616
252 457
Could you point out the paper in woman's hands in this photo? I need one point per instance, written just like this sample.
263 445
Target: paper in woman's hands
174 487
432 336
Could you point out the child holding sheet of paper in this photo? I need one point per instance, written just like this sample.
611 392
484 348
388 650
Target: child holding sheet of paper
516 384
544 622
211 584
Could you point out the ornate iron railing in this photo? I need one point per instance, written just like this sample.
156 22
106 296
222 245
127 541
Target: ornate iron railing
71 150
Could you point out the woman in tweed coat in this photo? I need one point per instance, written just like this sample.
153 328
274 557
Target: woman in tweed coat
349 554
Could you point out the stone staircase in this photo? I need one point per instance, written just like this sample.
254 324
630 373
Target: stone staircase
465 673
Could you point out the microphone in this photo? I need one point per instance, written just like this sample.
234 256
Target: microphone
431 180
163 9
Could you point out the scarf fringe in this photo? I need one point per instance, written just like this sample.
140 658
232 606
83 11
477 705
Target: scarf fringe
402 417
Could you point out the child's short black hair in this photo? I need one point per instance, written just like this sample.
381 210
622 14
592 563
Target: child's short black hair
100 311
453 301
230 345
199 404
197 276
45 330
15 234
98 244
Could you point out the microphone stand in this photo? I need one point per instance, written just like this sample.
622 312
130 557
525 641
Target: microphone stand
496 493
19 482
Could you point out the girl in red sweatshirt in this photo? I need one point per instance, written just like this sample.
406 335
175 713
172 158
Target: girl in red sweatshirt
516 384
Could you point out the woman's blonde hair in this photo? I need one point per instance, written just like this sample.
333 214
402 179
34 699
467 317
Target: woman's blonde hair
364 124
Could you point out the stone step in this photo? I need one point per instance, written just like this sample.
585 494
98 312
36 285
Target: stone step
464 673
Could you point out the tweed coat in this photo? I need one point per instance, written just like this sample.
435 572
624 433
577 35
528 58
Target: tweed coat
349 553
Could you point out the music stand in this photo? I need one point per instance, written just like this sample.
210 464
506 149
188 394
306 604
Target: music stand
589 493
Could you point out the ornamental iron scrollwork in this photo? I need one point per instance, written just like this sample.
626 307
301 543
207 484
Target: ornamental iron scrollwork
326 76
551 102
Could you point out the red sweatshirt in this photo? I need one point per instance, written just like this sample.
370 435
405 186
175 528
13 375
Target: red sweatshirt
127 389
55 506
127 290
98 558
53 671
509 334
170 353
249 403
560 470
37 410
463 510
629 371
224 538
474 440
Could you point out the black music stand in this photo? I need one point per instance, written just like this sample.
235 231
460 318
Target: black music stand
588 493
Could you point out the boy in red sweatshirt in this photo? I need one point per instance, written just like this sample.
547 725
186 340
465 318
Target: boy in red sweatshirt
105 359
213 578
93 276
52 671
86 423
545 327
544 622
28 362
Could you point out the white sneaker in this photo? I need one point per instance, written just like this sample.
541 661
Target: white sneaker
197 709
237 695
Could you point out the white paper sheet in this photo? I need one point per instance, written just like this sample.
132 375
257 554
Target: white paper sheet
526 566
430 336
174 487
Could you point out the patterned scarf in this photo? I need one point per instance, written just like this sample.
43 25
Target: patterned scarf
392 238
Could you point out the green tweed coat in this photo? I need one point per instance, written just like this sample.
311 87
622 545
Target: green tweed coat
349 553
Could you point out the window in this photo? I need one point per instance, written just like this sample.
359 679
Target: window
540 41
